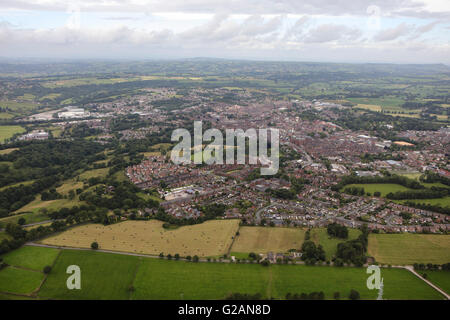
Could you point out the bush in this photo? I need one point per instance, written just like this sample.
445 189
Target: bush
94 245
161 255
337 295
21 221
47 269
354 295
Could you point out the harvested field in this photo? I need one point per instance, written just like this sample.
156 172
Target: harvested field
210 238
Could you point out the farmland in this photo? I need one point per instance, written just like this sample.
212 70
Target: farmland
408 248
329 244
439 278
383 188
35 258
210 238
24 274
20 281
109 276
7 132
263 239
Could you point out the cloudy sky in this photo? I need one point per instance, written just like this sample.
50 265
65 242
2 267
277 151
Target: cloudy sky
398 31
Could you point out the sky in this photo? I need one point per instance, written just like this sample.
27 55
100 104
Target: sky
385 31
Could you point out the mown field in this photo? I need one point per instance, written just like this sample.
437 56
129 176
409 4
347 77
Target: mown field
211 238
439 278
265 239
7 132
110 276
383 188
407 249
25 274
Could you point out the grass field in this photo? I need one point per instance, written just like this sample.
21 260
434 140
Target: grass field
329 244
103 276
6 151
102 172
407 249
29 218
384 188
7 132
20 281
37 204
439 278
109 276
443 202
35 258
211 238
398 283
162 279
265 239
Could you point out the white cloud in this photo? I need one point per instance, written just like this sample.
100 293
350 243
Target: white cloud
393 33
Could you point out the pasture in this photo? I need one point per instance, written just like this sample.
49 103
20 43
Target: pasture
110 276
6 151
383 188
407 248
439 278
103 276
30 217
329 244
35 258
211 238
265 239
19 281
7 132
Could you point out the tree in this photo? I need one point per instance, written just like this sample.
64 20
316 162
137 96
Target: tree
94 245
195 258
336 295
21 221
354 295
177 256
47 269
161 255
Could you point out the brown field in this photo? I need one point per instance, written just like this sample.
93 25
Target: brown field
265 239
211 238
6 151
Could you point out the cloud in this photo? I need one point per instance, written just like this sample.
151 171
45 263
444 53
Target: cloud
251 7
393 33
331 32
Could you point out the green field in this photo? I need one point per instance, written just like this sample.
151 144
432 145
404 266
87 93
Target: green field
439 278
35 258
407 248
109 276
19 281
329 244
30 217
384 188
103 276
7 132
162 279
443 202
